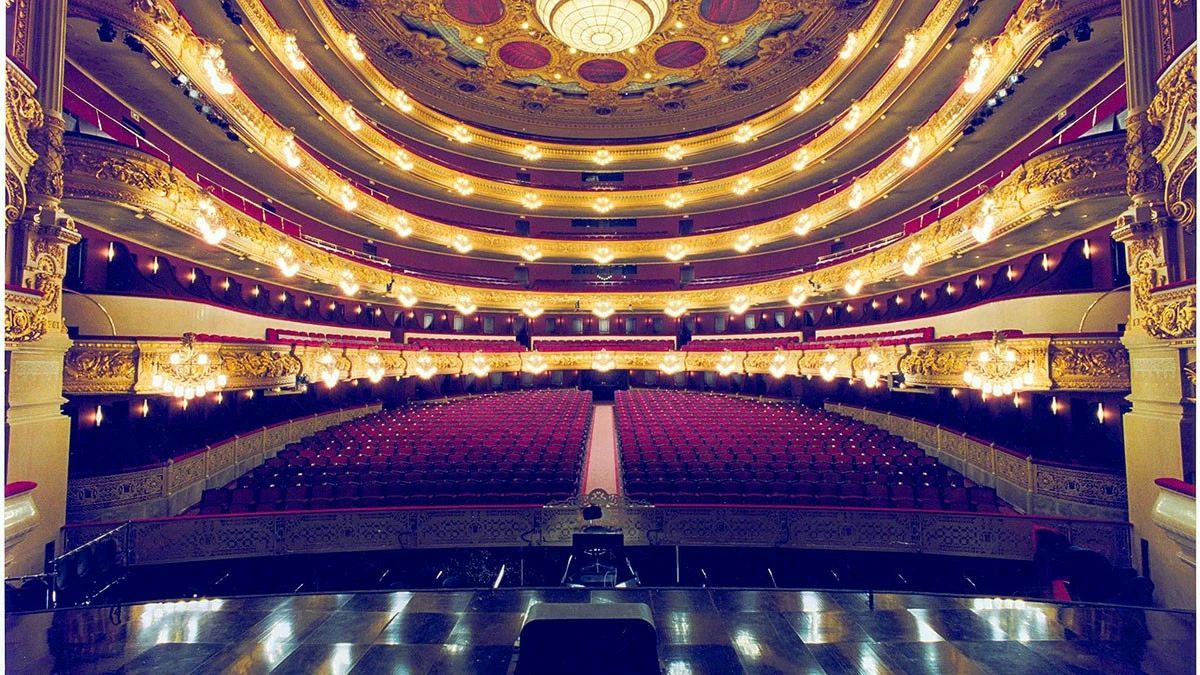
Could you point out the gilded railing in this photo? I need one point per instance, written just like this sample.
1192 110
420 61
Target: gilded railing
900 531
99 171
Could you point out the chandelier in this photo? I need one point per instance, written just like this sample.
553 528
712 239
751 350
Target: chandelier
189 372
728 364
778 365
828 367
871 372
998 369
478 364
534 363
425 366
672 363
327 367
603 362
374 366
601 26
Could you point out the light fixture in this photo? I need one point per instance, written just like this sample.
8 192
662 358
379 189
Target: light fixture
742 186
675 252
602 205
985 221
743 243
1045 262
286 261
208 221
1101 415
850 45
675 200
852 118
533 363
854 282
403 102
463 186
998 369
801 159
601 26
907 51
912 151
739 304
531 252
401 225
912 260
804 224
213 64
188 372
603 255
530 201
346 283
871 373
602 157
346 195
603 308
674 152
404 160
424 365
531 152
828 369
727 363
798 296
461 243
327 367
855 198
478 365
743 134
291 152
675 308
778 366
603 362
461 134
464 305
802 100
374 366
406 296
1054 407
291 49
532 309
354 49
350 117
977 69
672 363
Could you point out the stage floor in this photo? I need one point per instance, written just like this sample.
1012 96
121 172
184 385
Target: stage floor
700 631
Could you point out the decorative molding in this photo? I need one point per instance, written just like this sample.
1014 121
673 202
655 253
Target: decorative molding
1171 313
1060 362
252 535
23 320
1173 110
1175 512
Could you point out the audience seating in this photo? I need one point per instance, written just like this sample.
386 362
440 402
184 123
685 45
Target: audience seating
450 344
680 447
863 340
765 343
306 339
514 448
596 344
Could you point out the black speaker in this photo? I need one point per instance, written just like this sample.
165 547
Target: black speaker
522 227
687 274
685 226
592 513
521 274
576 637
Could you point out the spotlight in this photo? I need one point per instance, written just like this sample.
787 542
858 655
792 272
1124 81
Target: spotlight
976 121
968 131
1016 78
1059 41
232 136
1083 30
106 31
973 9
963 22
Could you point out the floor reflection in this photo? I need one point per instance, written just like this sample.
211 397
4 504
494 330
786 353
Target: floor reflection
700 631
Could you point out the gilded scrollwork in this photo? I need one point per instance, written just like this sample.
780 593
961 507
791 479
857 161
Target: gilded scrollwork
1088 364
1171 314
99 368
23 322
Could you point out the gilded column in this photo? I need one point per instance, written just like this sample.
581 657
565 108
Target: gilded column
38 432
1160 427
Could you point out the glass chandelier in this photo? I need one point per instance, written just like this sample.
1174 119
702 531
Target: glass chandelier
998 369
189 372
601 26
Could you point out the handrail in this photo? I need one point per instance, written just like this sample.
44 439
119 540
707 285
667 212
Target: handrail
115 129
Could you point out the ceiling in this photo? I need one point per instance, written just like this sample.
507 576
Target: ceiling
491 64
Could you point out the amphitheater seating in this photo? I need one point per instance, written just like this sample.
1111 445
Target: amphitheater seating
280 335
692 448
466 345
765 343
612 345
515 448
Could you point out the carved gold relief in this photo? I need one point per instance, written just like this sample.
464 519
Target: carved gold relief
99 368
1171 314
23 320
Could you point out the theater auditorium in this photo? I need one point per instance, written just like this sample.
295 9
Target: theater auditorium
646 336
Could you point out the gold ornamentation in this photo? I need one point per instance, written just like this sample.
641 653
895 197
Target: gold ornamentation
23 321
99 368
1141 138
1171 314
1083 364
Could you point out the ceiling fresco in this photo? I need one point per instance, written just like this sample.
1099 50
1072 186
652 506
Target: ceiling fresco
492 63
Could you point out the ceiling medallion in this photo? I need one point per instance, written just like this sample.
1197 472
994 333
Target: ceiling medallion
601 26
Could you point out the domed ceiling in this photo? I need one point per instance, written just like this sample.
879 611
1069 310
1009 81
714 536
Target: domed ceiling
495 64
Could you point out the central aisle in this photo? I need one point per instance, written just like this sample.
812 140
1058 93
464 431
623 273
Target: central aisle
601 471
